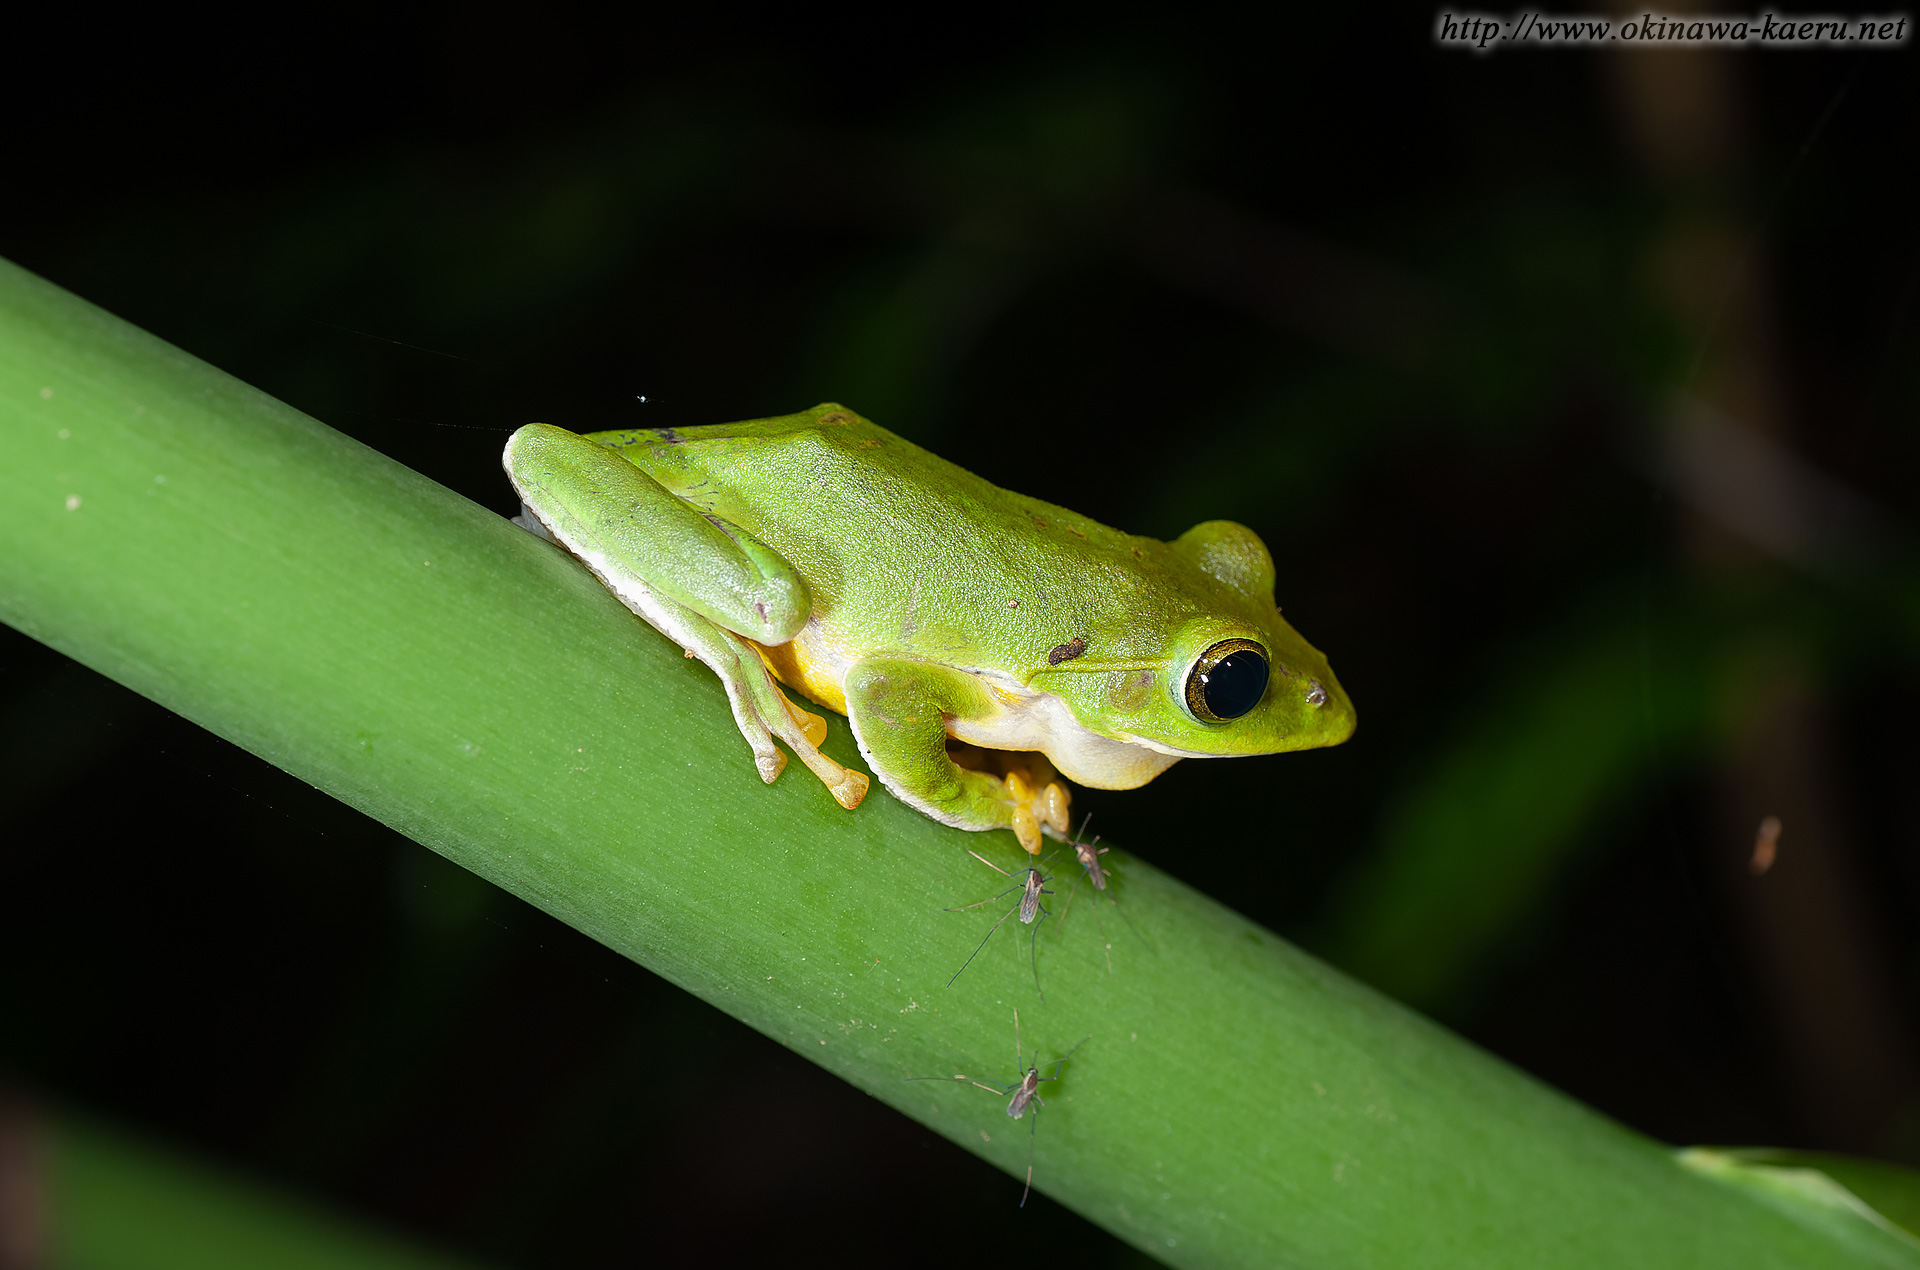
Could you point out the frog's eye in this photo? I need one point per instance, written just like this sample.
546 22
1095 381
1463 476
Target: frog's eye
1227 681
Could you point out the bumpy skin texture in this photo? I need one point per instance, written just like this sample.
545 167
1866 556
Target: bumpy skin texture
929 606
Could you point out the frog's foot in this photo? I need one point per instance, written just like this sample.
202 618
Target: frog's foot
802 731
846 785
1035 809
763 713
1036 797
760 710
811 725
770 762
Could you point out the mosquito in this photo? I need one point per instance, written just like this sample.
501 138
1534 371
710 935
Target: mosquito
1088 854
1032 884
1089 859
1023 1095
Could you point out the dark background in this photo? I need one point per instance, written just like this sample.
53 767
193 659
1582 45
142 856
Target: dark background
1575 395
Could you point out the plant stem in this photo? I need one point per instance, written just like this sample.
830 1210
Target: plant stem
418 657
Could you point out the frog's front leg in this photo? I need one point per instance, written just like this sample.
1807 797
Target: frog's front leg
702 582
899 711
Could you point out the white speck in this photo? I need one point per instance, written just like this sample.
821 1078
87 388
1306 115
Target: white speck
984 1136
46 394
63 434
1134 1035
1319 1089
73 502
159 480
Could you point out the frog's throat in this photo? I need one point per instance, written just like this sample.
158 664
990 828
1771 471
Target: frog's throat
1030 720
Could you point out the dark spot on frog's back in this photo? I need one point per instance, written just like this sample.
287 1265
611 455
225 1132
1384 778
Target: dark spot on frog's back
668 435
1067 651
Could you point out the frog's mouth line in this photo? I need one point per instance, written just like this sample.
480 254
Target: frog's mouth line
1158 747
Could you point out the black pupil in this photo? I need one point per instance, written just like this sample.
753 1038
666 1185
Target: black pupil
1235 684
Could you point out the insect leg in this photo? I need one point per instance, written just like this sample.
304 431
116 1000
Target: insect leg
1068 906
983 941
991 1086
1031 1127
1064 1057
962 908
990 864
1033 951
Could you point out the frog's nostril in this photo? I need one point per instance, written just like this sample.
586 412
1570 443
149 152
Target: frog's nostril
1317 694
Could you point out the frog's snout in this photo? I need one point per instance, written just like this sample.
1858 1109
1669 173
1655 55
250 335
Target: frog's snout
1329 711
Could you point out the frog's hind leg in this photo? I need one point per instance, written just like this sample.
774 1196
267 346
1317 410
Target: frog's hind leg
760 710
800 730
704 583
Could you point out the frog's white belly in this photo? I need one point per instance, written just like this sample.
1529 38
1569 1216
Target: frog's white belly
816 663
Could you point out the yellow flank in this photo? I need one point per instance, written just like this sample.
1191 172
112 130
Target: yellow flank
791 666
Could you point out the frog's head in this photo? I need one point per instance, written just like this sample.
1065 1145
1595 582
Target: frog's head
1229 675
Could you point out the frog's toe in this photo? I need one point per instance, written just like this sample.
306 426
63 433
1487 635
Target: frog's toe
847 786
851 790
771 763
1051 807
1038 800
1026 827
811 725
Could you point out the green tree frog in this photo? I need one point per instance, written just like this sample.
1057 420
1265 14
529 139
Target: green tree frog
980 643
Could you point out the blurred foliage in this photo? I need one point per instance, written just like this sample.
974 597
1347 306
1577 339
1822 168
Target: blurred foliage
1394 310
117 1204
1893 1191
